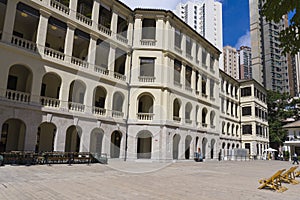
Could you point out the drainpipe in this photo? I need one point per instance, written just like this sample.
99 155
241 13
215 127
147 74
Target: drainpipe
128 91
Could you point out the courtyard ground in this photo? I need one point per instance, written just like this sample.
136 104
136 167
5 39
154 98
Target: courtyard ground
144 180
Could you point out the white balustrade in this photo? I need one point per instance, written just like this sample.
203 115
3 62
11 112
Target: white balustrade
101 70
104 30
79 62
59 6
50 102
117 114
188 89
54 54
119 76
148 42
84 19
122 39
99 111
24 44
178 50
147 79
176 119
17 96
76 107
145 116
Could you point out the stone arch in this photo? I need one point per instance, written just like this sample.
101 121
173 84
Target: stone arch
176 140
212 148
73 138
144 144
188 140
204 146
99 97
77 91
177 109
45 137
12 135
116 138
118 101
145 103
96 140
51 84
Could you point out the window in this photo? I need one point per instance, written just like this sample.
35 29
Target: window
188 76
247 129
246 91
188 47
204 56
178 38
246 111
177 71
105 17
147 66
149 29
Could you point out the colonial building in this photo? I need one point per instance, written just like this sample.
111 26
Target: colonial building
96 76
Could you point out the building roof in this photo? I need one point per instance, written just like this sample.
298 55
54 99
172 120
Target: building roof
295 124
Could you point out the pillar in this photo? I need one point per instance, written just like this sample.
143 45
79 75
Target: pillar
111 58
160 31
69 41
42 30
9 20
92 50
95 14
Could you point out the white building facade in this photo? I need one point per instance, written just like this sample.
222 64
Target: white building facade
99 77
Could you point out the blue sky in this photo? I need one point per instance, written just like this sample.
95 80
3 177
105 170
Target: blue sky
235 17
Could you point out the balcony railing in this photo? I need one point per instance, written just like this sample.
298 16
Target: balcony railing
58 6
148 42
17 96
119 76
178 50
117 114
204 125
79 62
24 44
101 70
99 111
177 84
76 107
54 54
147 79
188 121
84 19
176 119
50 102
145 116
187 88
122 38
104 29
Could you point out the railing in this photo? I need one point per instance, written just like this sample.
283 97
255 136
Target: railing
58 6
188 89
17 96
25 44
119 76
176 119
178 50
83 19
204 125
145 116
148 42
122 38
147 79
76 106
54 54
188 121
104 30
204 95
79 62
50 102
177 84
101 70
99 111
117 114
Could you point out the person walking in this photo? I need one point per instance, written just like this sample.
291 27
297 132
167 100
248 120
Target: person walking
295 159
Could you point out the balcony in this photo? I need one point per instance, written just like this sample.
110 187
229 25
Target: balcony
54 54
24 44
146 79
17 96
60 7
50 102
177 84
99 111
145 116
148 42
176 119
117 114
119 76
84 19
101 70
104 30
78 107
178 50
79 62
122 39
187 88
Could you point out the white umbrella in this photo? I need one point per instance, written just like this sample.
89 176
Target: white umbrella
270 150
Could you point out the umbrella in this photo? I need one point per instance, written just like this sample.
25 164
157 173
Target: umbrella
270 150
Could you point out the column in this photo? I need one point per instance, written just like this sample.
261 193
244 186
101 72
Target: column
160 30
137 30
92 50
169 35
95 14
69 42
193 80
130 30
64 95
42 30
182 74
9 20
88 99
199 82
111 58
114 22
73 8
183 44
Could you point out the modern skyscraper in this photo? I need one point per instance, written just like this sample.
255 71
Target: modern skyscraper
204 16
245 62
231 62
269 66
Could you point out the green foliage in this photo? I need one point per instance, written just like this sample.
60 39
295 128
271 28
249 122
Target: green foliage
289 38
286 155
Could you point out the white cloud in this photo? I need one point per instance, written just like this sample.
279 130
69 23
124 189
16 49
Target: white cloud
159 4
244 40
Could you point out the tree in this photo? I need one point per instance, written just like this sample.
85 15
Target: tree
289 38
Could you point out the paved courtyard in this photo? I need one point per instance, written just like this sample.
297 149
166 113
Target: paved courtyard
143 180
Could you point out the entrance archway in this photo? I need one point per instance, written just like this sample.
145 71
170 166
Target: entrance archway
12 135
73 139
212 148
188 140
96 141
144 145
45 137
115 144
176 140
204 143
